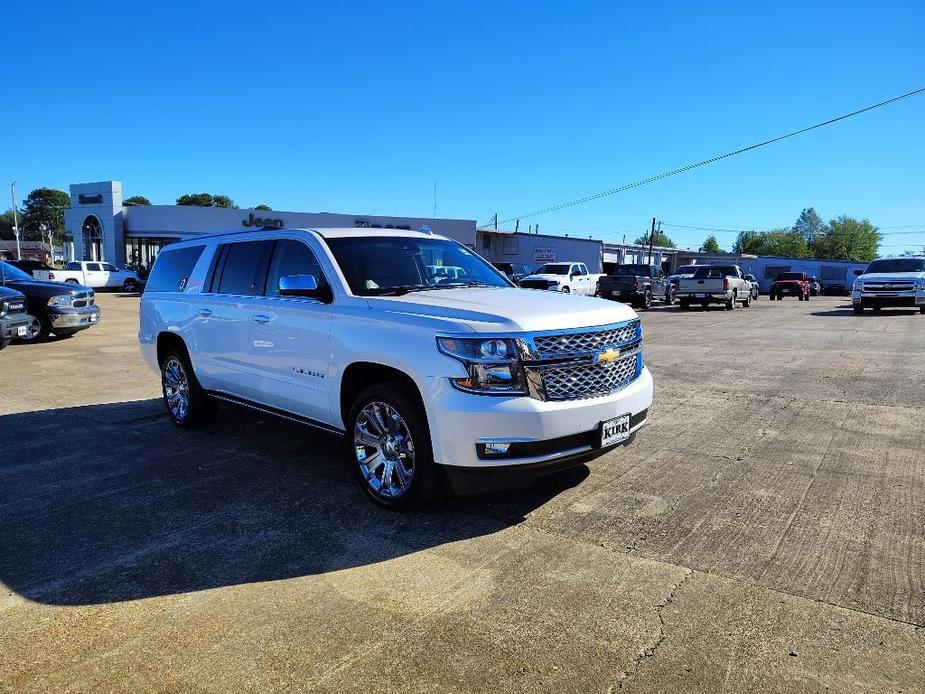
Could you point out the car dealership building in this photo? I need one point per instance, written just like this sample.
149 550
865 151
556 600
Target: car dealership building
102 228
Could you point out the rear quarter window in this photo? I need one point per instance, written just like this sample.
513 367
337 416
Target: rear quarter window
172 269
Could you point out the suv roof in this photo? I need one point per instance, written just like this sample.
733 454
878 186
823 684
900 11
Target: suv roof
327 233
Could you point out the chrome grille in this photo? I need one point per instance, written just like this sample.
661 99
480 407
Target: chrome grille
82 299
551 346
576 382
889 286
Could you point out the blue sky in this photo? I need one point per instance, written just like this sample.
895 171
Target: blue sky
509 107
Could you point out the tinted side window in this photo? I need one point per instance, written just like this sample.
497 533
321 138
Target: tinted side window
293 258
245 268
110 268
93 267
72 266
172 269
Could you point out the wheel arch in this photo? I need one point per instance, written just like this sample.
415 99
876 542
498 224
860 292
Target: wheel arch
361 374
168 341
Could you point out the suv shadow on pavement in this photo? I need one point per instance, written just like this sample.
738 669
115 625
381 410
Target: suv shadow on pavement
868 312
106 503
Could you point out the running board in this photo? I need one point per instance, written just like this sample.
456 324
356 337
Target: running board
274 412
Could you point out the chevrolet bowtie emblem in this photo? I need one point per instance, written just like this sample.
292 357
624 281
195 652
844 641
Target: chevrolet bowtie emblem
607 357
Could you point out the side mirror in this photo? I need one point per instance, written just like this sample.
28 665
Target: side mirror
575 274
301 285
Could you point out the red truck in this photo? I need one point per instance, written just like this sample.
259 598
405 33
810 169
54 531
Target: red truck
790 284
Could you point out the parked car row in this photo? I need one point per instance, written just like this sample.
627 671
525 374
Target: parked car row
50 307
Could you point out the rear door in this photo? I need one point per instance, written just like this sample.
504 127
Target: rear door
582 283
94 276
223 326
290 337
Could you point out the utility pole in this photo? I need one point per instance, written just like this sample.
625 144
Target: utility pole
496 221
15 219
435 199
651 240
516 226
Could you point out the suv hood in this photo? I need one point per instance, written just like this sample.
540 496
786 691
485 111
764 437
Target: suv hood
43 288
505 309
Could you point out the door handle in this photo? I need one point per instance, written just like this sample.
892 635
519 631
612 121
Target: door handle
205 312
260 317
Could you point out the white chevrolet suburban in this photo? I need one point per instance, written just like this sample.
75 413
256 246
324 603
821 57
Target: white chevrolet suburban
431 377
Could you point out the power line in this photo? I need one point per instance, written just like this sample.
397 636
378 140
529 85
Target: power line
711 160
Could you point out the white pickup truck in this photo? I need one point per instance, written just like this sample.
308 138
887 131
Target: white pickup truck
90 273
464 380
568 278
715 284
890 282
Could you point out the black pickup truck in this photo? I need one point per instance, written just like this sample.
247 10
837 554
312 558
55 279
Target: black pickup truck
638 285
13 317
51 307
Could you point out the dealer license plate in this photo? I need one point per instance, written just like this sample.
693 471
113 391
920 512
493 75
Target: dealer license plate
93 318
615 430
21 331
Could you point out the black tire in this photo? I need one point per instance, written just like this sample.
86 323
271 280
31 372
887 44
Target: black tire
800 297
4 344
71 280
566 290
403 400
38 329
860 309
807 296
748 301
780 297
685 305
130 286
731 303
646 302
669 297
704 305
921 309
878 309
200 408
770 296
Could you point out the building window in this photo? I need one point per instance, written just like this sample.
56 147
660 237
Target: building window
92 235
486 242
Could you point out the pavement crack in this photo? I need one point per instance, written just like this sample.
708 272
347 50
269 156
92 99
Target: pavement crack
650 650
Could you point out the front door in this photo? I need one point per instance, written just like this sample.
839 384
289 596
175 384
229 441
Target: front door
94 275
290 338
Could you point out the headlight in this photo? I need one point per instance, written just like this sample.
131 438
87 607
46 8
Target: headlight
920 284
60 301
492 363
858 286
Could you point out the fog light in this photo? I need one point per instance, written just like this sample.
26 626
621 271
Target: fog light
496 448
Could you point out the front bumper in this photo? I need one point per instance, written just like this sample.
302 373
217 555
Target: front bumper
75 319
548 432
10 324
910 299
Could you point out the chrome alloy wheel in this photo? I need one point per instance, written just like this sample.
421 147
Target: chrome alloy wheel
33 329
384 449
176 388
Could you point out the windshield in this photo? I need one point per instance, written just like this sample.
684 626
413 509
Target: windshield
553 269
630 270
382 265
897 265
13 273
790 276
687 269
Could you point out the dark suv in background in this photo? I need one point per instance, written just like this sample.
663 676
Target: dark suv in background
13 316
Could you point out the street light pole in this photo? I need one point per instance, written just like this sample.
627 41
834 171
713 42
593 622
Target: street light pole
15 219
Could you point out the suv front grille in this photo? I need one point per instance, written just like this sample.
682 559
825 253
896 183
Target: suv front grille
534 284
82 299
566 366
589 380
551 346
889 286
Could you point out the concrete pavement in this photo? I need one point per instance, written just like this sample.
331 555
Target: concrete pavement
765 533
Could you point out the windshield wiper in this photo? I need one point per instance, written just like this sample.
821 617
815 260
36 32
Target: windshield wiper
402 289
456 285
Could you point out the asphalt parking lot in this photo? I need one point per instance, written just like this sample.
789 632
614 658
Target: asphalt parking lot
765 533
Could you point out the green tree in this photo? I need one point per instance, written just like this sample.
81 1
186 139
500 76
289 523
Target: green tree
6 225
206 200
809 224
846 238
661 239
264 208
138 200
711 245
44 206
787 243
